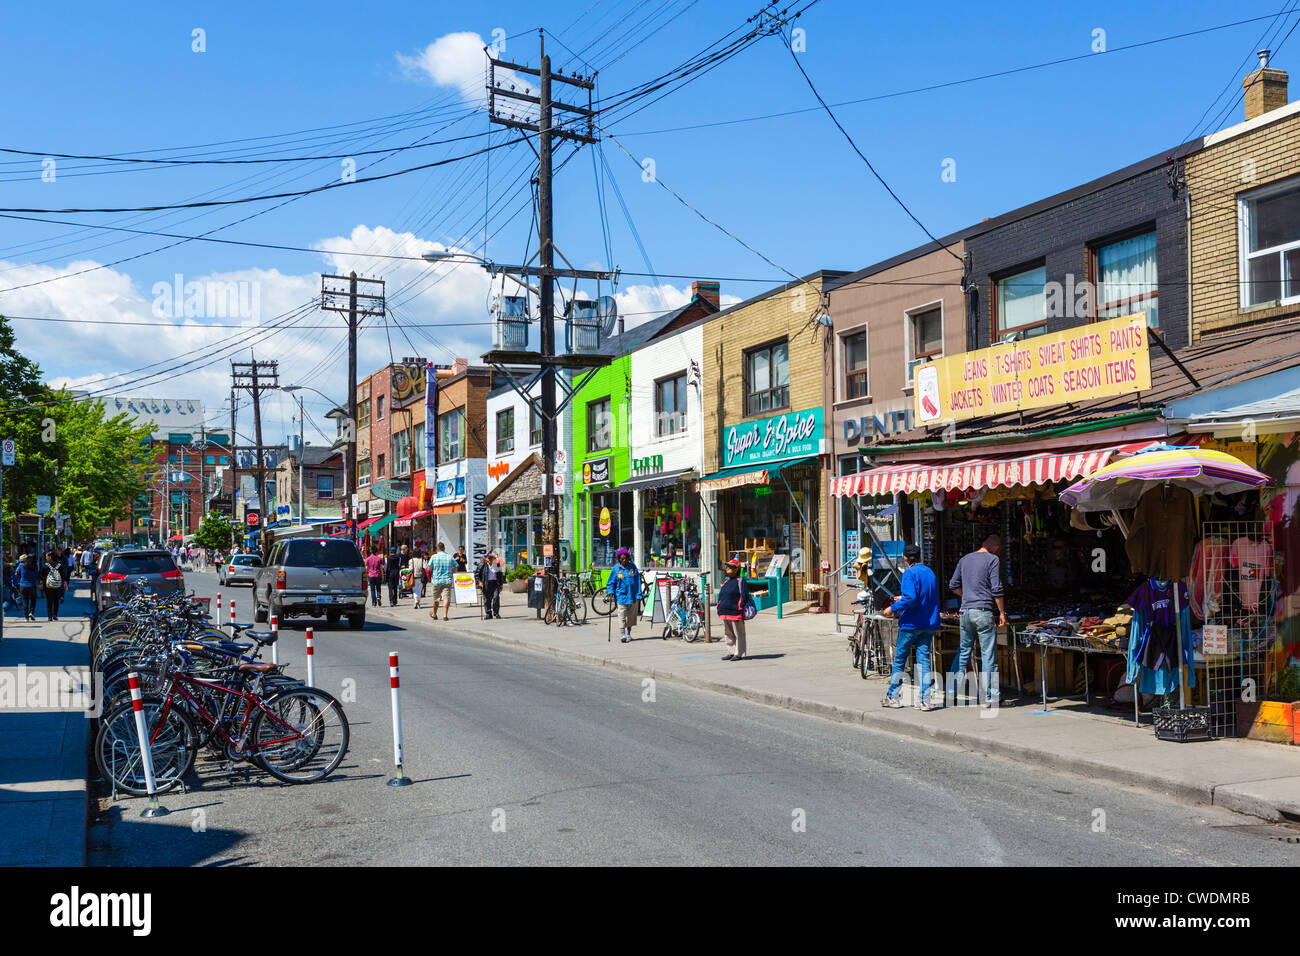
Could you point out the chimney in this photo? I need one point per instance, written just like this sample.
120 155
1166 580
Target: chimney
1265 88
621 327
707 291
459 365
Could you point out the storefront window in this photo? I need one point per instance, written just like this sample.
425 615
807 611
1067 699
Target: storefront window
619 532
670 527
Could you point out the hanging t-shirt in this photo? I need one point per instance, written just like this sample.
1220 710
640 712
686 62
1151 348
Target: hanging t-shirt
1254 562
1153 642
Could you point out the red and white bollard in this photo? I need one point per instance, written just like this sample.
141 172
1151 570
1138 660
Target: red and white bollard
218 609
275 648
146 756
311 659
232 617
400 779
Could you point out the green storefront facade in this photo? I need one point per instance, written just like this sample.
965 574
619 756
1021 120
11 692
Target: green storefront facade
603 519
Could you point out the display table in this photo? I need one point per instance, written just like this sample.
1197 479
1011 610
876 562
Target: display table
1046 641
769 592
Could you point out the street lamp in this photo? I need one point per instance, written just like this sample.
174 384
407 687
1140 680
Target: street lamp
338 412
447 255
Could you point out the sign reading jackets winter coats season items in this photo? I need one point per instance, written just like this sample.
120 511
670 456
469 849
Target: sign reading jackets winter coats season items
792 435
1091 361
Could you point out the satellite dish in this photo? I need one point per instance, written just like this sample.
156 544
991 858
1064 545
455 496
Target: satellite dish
607 312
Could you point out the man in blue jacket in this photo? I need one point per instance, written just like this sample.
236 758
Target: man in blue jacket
625 586
918 618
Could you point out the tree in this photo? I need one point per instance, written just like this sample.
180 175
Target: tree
215 532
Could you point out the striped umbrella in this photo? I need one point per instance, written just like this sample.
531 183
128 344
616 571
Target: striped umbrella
1119 485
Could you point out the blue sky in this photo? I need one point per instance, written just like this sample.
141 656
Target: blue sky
101 80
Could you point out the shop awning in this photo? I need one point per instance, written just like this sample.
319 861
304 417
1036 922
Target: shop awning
744 475
405 521
977 473
368 522
660 480
372 528
453 509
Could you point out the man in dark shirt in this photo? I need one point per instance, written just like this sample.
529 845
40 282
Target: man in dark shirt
461 559
978 582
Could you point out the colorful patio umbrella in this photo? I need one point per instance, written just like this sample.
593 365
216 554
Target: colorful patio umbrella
1202 471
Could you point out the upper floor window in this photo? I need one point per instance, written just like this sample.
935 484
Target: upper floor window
379 408
419 451
363 473
767 378
1021 302
324 486
1270 244
363 413
401 452
451 430
534 426
924 337
1126 278
505 431
379 466
854 350
670 405
599 426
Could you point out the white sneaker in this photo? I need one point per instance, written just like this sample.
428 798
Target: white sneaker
892 703
926 705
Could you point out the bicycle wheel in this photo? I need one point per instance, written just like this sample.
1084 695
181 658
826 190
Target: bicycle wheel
579 608
884 664
301 736
603 603
691 627
117 747
855 646
867 654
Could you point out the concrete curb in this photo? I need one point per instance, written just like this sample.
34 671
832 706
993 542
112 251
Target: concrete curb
1233 797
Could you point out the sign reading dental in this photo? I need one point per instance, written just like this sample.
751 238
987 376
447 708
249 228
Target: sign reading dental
1091 361
792 435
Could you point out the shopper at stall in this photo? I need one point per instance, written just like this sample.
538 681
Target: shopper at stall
917 609
731 610
978 582
441 570
625 585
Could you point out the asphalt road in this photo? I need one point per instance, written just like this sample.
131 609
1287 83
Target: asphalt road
520 758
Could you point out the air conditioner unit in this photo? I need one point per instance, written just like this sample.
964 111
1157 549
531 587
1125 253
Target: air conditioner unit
510 330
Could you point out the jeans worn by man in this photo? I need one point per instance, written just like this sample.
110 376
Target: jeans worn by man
978 580
977 625
910 640
917 608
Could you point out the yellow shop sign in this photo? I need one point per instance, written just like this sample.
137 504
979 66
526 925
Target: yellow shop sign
1091 361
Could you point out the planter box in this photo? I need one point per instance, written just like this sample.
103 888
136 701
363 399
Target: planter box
517 587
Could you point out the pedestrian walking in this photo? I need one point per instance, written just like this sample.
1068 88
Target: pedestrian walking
917 609
375 574
393 572
28 581
419 567
978 582
732 598
490 575
441 569
625 585
52 584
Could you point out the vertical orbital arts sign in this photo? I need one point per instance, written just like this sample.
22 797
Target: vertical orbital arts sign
430 418
476 513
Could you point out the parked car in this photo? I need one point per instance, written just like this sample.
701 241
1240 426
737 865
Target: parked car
312 576
239 569
119 570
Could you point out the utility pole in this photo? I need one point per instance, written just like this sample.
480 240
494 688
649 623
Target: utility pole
547 360
256 377
359 305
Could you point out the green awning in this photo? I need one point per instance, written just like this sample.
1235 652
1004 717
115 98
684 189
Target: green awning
385 520
746 475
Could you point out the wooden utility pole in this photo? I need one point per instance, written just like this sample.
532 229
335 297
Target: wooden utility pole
546 272
256 377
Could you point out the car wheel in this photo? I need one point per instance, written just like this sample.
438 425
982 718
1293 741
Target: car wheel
259 615
332 616
357 621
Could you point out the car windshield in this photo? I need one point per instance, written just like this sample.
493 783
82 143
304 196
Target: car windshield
251 559
323 554
142 564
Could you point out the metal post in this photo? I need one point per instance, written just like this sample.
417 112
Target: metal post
349 465
146 756
311 658
546 250
399 778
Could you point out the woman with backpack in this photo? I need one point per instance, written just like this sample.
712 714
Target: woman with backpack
28 581
732 598
52 582
419 572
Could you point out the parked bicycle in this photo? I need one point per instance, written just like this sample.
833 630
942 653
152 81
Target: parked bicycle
867 641
568 606
684 617
602 602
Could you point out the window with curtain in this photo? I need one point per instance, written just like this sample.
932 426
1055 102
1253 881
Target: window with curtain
767 378
1127 278
324 486
1022 303
1270 255
856 381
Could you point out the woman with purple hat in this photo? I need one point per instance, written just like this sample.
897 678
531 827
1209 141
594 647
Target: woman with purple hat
625 585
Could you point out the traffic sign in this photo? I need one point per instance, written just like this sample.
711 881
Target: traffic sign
42 504
557 484
7 452
252 518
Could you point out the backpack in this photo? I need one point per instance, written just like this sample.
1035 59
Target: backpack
52 577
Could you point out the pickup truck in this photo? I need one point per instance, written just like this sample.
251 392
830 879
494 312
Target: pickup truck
315 576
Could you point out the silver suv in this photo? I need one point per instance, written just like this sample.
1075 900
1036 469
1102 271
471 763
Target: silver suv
315 576
120 570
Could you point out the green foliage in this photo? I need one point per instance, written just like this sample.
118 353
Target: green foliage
66 448
520 571
215 533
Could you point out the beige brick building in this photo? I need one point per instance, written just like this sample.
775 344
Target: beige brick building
1244 190
764 367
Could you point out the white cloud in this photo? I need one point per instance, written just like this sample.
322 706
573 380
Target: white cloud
458 60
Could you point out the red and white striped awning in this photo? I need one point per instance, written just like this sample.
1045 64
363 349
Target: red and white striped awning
405 522
977 473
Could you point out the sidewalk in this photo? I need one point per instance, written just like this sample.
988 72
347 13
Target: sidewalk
43 754
800 663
